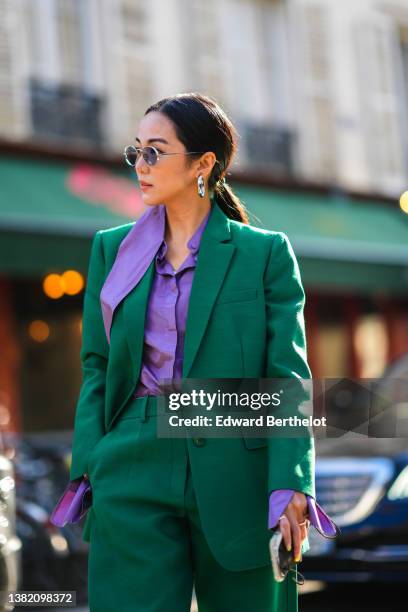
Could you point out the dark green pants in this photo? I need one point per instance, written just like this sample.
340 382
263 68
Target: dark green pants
146 546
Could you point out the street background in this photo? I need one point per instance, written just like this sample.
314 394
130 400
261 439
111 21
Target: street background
318 91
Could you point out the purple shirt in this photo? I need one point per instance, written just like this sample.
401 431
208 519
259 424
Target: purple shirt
165 328
166 315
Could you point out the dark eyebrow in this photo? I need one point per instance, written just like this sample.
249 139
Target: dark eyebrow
154 140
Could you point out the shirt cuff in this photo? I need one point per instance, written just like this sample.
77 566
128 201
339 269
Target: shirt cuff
280 498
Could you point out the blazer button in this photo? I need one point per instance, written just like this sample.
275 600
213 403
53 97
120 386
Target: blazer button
198 441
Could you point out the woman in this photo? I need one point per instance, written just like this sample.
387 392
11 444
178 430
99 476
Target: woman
191 290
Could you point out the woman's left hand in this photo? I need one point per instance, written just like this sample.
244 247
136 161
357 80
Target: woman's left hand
294 523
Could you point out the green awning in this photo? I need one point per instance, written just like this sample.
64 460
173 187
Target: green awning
329 228
50 211
341 243
73 199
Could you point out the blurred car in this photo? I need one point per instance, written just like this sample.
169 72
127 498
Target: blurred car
362 483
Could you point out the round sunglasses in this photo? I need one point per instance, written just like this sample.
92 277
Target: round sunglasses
150 154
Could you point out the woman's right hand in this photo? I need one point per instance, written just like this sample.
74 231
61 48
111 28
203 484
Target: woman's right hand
294 524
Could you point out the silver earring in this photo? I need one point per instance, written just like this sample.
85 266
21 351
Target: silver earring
201 186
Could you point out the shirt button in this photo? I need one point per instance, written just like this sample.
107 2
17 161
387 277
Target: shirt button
198 441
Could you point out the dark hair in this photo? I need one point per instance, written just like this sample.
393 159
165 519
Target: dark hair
202 125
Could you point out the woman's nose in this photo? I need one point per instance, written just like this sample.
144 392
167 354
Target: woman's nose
140 162
137 164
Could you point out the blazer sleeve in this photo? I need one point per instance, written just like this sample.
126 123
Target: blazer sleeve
89 415
291 459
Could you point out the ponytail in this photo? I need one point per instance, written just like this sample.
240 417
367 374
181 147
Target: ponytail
229 202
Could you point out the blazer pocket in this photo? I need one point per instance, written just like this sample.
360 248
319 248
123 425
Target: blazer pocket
251 443
238 295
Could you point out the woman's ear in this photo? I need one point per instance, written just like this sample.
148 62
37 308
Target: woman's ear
206 164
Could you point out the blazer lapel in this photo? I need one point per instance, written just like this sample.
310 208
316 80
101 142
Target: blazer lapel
214 258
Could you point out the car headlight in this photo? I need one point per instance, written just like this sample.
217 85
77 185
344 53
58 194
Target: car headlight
399 488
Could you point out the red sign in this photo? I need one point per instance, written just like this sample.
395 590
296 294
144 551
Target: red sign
100 187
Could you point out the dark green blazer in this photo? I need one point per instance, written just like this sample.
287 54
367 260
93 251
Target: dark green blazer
245 320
